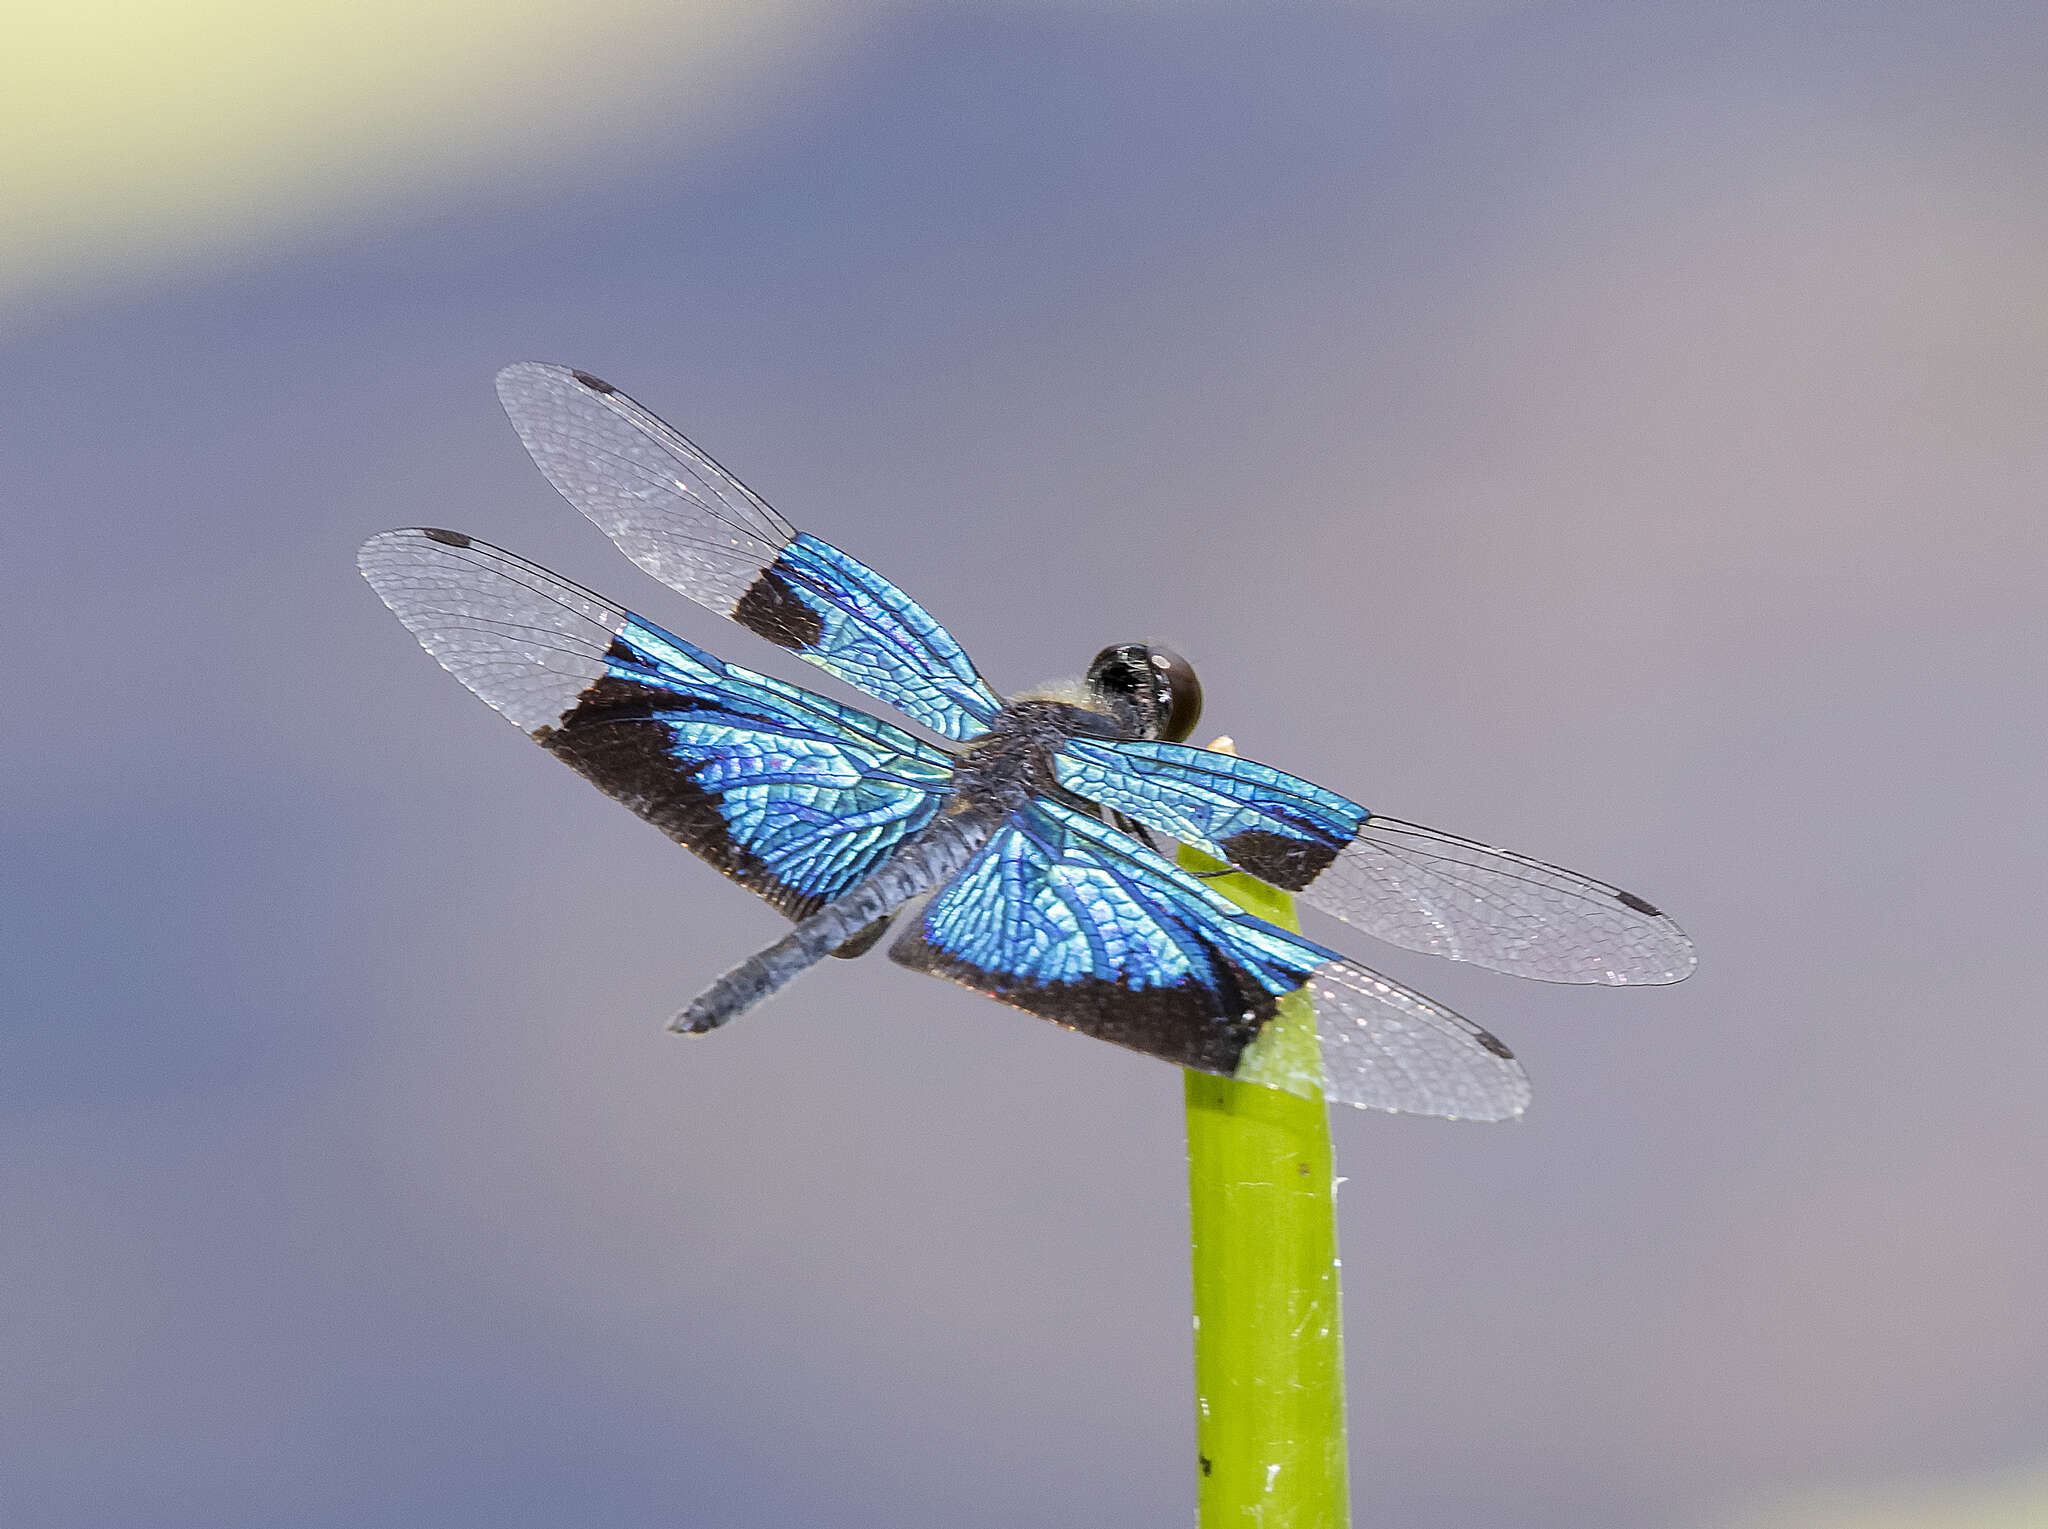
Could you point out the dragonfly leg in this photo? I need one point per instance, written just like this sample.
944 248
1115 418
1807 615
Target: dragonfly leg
866 940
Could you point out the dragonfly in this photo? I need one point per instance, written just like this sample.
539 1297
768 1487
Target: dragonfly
1018 842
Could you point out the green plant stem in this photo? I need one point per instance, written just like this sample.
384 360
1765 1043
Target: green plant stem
1269 1346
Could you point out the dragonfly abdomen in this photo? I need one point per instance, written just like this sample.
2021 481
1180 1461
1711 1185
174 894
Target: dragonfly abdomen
925 860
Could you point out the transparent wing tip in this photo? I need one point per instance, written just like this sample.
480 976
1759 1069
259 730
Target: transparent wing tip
375 556
520 371
1671 958
525 379
1387 1047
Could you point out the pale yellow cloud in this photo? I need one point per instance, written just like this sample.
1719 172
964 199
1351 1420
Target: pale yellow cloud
139 134
2013 1503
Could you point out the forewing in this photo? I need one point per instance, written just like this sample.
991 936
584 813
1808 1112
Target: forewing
1409 885
786 792
1064 917
690 523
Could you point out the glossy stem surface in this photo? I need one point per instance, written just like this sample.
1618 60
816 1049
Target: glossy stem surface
1269 1345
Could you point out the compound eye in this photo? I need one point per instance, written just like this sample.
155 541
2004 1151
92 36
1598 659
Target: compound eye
1180 694
1122 671
1158 685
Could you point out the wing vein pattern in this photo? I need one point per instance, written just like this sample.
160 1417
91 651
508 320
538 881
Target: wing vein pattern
684 519
1064 917
1409 885
788 793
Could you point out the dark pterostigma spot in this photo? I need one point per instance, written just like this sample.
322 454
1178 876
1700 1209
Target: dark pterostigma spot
445 538
771 609
595 384
615 736
1630 900
1205 1026
1493 1043
1284 860
866 940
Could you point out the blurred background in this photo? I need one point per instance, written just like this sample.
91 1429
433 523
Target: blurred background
1609 430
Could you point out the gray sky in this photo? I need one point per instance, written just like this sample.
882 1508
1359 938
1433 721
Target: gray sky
1610 431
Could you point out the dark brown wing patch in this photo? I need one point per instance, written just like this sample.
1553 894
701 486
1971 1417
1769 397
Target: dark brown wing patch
615 740
771 609
1187 1024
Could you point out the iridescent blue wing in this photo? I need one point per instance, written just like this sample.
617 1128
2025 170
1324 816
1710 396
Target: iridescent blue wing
1064 917
1409 885
698 529
786 792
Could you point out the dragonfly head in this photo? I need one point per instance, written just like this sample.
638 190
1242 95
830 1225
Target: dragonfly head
1152 689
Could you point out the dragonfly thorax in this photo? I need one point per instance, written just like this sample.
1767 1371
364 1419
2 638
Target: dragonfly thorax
1012 762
